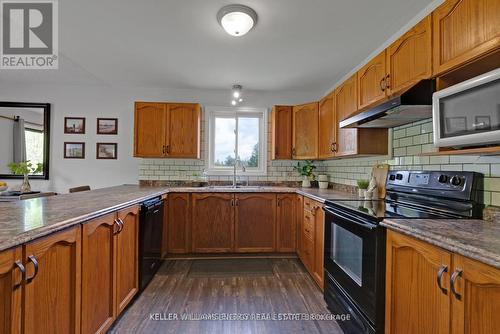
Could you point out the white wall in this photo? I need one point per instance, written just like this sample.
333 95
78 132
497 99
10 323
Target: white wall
104 101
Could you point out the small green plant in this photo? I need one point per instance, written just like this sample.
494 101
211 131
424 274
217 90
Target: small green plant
363 184
25 168
306 169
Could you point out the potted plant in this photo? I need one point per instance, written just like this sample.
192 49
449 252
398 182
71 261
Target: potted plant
306 171
25 168
362 186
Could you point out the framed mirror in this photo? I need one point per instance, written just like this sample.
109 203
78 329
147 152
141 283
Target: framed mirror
24 136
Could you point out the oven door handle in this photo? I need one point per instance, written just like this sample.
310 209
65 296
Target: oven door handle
351 218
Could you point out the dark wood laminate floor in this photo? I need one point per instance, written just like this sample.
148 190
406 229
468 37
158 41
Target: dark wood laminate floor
289 289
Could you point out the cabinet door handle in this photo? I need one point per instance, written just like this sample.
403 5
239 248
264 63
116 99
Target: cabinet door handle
335 147
121 224
237 202
294 152
168 149
163 150
22 269
456 274
33 260
382 84
388 81
118 225
279 202
442 269
232 202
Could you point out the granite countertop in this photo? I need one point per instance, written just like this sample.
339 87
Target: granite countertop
475 239
23 221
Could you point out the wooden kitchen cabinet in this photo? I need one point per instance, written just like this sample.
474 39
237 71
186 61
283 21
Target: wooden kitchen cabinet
150 121
281 130
255 223
409 58
312 239
11 279
286 223
213 222
327 126
414 301
167 130
319 243
305 131
371 82
127 257
479 305
464 30
299 214
179 223
53 283
360 141
99 274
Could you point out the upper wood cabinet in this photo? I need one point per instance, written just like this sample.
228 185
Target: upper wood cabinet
281 140
476 304
327 127
371 82
213 223
255 222
179 223
127 257
286 223
53 285
463 31
11 280
167 130
414 301
305 131
409 58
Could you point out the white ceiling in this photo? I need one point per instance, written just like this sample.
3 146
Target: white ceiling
297 45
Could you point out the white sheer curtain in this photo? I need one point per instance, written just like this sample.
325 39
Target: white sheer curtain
19 140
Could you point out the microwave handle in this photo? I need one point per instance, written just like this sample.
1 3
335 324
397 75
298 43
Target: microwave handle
351 218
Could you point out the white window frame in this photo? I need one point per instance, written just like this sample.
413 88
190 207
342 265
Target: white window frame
210 114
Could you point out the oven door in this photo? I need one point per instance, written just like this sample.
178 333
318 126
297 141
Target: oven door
352 248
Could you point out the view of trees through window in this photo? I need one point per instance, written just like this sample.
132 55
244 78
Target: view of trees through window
247 147
34 146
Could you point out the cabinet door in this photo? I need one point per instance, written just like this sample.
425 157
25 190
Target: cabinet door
345 106
479 305
98 274
409 59
414 302
255 223
213 223
150 129
319 243
305 131
53 286
183 135
299 214
287 230
327 127
179 223
307 240
127 258
464 30
371 82
11 280
281 132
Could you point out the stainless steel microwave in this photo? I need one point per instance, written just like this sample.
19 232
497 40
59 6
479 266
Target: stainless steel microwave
468 113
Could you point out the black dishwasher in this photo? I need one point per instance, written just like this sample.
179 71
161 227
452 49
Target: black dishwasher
150 238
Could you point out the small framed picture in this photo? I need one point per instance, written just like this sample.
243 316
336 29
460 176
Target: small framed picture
74 150
107 151
74 125
482 123
107 126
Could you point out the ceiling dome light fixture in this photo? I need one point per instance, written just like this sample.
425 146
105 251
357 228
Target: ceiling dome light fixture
237 94
237 20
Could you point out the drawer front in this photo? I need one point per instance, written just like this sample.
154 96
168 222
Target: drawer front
308 252
308 225
308 204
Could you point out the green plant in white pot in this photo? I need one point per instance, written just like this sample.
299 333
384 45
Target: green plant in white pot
25 168
362 186
306 171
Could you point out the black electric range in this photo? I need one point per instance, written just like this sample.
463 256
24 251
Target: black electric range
355 242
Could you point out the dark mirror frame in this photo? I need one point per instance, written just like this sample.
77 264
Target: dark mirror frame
46 137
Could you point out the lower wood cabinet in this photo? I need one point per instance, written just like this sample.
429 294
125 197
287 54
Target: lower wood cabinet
286 223
311 245
53 283
299 216
255 222
179 223
11 279
430 290
213 227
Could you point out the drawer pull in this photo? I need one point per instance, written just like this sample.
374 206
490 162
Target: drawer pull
442 269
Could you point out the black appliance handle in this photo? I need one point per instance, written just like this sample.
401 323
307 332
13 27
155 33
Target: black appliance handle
352 218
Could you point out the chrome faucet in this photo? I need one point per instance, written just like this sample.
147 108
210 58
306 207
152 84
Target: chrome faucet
237 162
